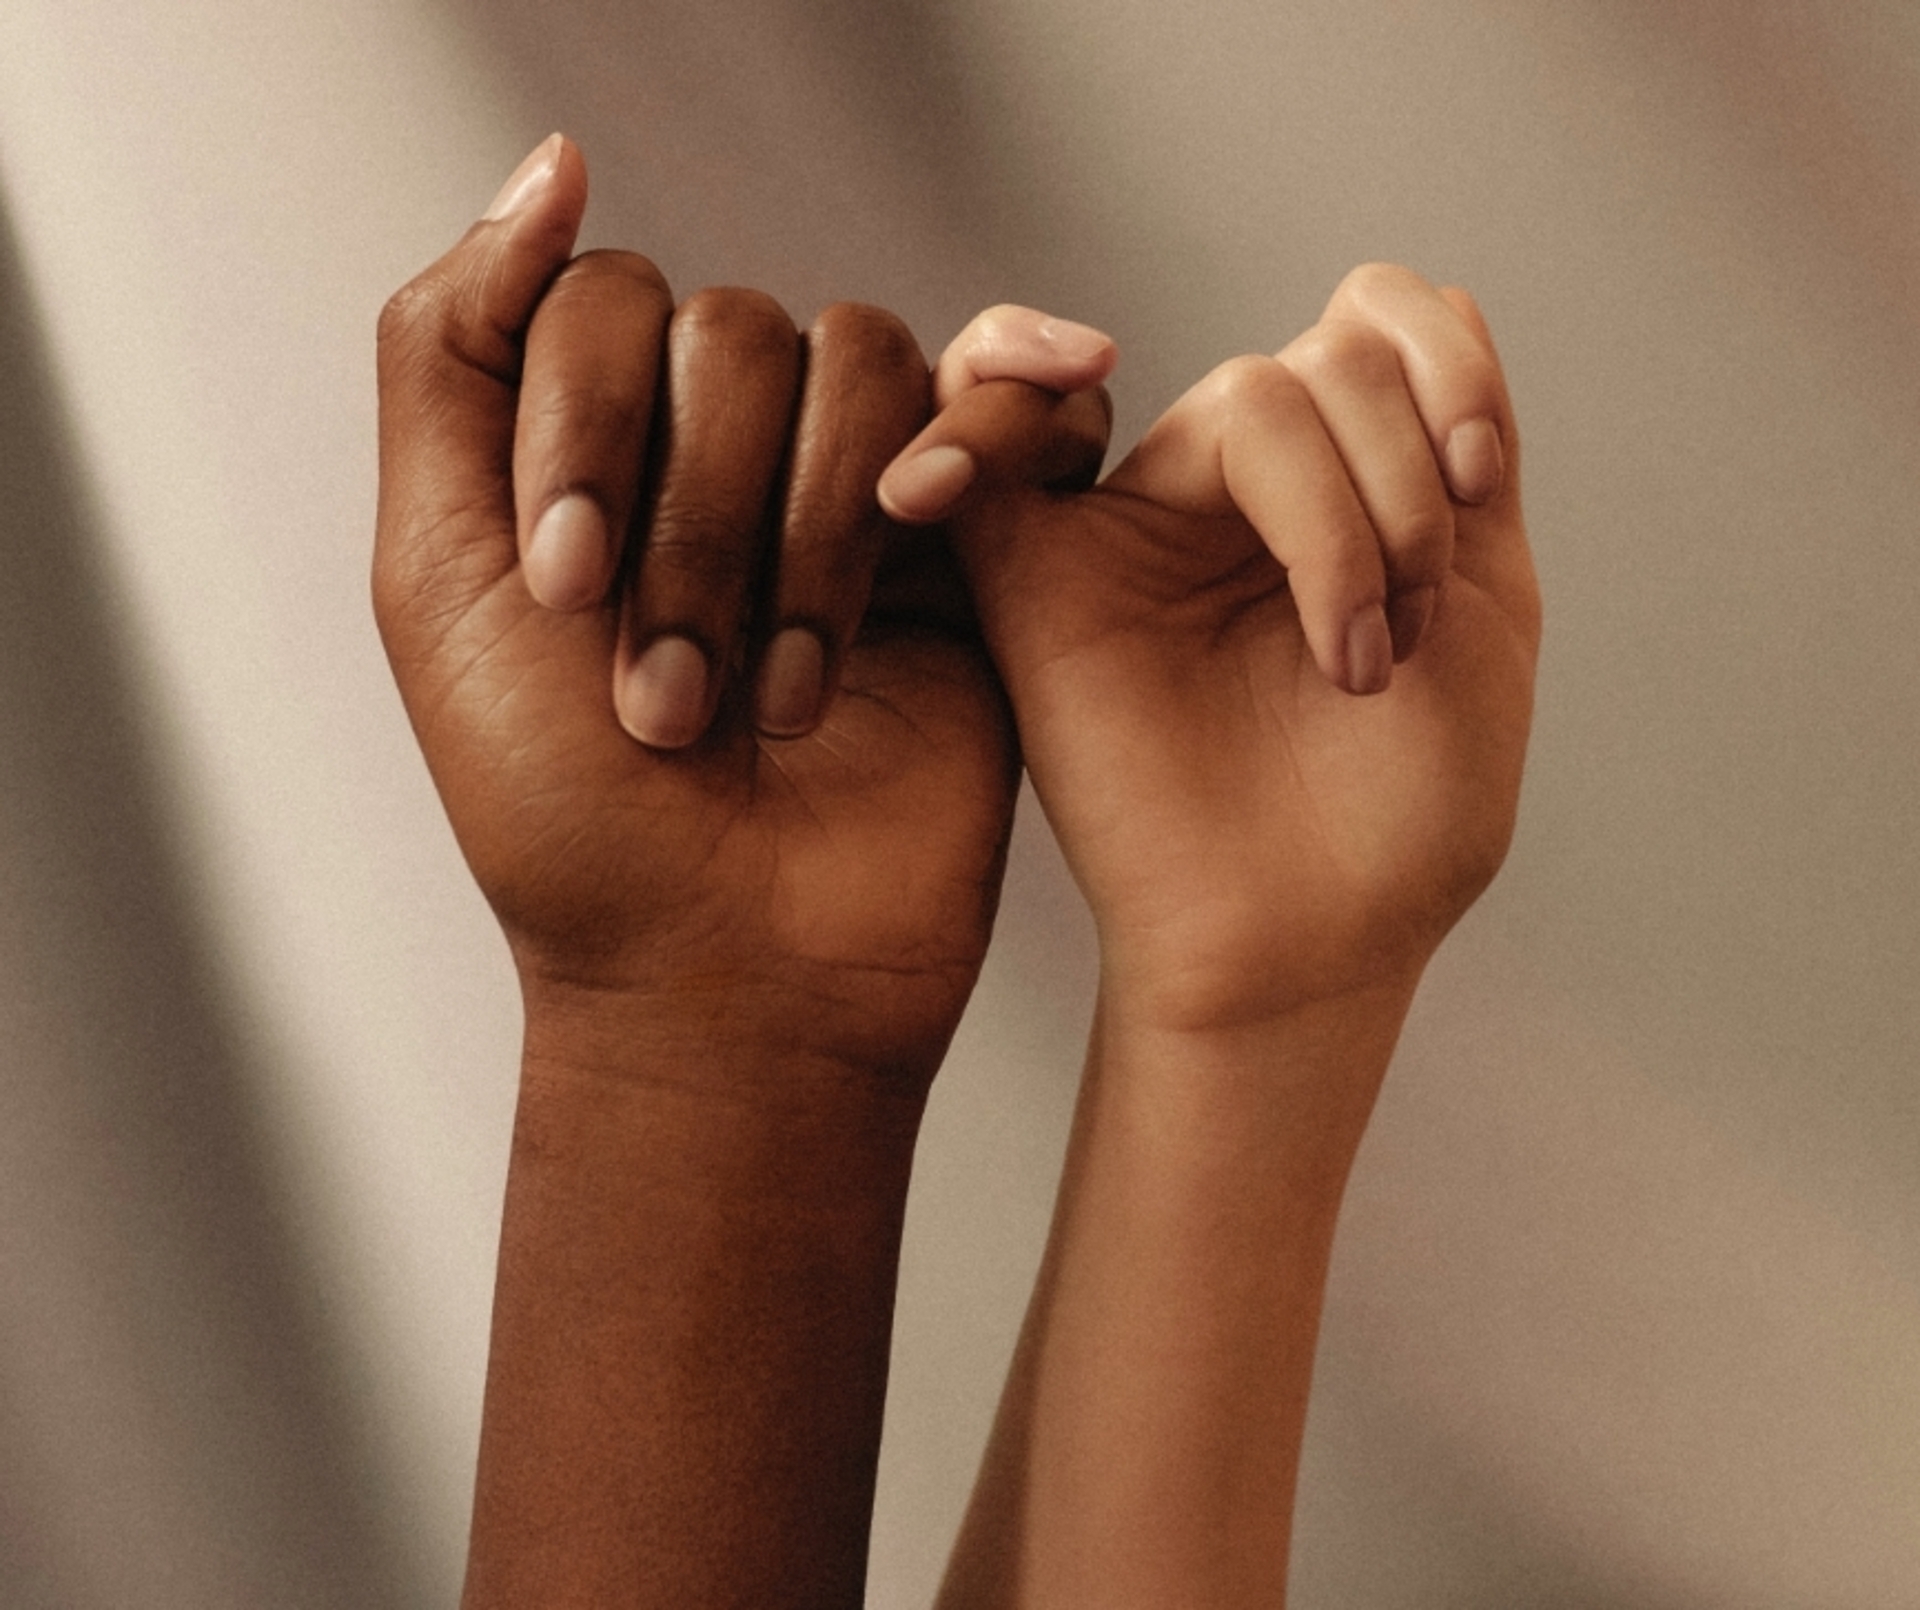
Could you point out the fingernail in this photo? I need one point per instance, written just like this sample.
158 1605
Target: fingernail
1407 617
1079 342
925 486
792 677
663 697
1475 463
566 562
528 180
1369 651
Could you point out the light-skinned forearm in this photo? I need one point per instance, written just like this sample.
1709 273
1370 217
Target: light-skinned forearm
1148 1441
690 1335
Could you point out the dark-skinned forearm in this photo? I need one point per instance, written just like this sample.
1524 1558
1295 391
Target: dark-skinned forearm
691 1326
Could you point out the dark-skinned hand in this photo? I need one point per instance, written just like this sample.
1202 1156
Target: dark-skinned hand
786 820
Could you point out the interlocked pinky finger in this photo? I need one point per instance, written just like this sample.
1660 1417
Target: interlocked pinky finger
1049 430
1000 433
1021 343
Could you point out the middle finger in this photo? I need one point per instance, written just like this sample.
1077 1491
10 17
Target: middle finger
733 368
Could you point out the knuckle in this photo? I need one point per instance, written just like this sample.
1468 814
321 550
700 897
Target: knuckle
997 334
741 320
1256 385
603 273
1002 316
994 324
1371 284
1344 352
417 312
876 337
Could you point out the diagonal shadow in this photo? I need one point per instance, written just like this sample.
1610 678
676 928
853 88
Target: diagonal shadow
174 1425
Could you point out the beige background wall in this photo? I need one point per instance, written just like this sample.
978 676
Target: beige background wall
1627 1302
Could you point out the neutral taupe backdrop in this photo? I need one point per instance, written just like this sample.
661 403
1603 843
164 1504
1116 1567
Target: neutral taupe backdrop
1626 1310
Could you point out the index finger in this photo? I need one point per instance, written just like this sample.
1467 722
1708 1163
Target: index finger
450 348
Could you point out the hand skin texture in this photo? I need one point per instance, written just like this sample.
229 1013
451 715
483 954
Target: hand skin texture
747 888
1274 824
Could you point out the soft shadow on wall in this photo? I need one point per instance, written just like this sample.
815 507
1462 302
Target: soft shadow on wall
820 153
173 1426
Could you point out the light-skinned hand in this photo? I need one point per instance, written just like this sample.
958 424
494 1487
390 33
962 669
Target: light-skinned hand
1273 675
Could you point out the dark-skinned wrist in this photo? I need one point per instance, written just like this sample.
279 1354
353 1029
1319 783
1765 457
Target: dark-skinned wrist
692 1322
790 1036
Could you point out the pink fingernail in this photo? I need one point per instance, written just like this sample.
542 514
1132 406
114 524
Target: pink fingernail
925 486
1080 343
1369 652
528 180
566 562
792 678
1475 463
662 700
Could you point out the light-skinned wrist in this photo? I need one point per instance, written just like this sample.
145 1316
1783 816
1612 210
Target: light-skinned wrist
1310 1070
